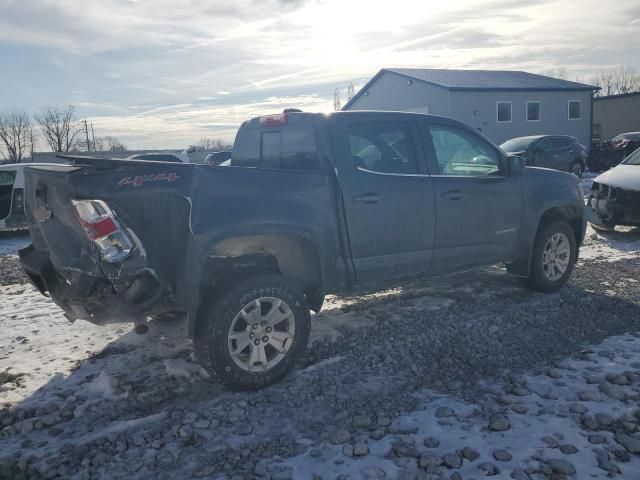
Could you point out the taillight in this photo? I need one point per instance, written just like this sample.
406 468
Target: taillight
277 119
101 226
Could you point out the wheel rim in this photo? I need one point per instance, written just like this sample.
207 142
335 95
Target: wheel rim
556 256
576 169
261 334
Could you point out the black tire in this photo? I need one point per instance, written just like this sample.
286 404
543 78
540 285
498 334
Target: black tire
211 342
577 168
537 279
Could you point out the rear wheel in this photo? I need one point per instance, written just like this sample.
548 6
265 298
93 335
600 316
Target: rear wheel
554 255
577 168
254 335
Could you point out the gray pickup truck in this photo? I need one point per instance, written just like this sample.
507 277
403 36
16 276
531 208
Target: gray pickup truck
310 204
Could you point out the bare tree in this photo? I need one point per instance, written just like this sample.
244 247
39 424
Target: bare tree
616 81
213 144
560 72
16 135
114 145
60 128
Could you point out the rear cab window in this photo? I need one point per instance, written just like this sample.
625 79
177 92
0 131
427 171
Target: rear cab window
291 146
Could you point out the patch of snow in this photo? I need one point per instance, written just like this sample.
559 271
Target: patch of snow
10 243
178 368
105 386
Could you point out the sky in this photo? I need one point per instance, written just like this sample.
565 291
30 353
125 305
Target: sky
164 73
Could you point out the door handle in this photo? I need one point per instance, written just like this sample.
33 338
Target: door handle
452 195
367 198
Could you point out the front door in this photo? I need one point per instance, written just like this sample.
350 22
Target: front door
388 198
478 205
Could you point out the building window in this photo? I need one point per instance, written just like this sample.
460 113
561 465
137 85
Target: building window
533 111
574 109
504 112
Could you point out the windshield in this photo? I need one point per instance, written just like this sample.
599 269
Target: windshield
633 159
627 136
517 144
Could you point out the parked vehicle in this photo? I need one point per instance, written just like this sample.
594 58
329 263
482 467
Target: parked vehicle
216 158
311 204
610 153
615 195
12 196
161 157
560 152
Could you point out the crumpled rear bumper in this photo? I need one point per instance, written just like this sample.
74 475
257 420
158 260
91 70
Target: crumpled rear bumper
90 297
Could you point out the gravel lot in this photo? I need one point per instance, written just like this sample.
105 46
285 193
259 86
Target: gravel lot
457 377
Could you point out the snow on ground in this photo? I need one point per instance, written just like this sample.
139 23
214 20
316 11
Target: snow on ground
11 242
561 373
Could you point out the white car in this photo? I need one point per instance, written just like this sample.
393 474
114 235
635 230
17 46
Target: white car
12 216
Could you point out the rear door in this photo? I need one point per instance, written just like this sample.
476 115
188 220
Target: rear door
388 197
562 153
478 205
543 152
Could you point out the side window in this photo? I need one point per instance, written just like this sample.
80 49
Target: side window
384 147
461 153
7 178
544 145
558 142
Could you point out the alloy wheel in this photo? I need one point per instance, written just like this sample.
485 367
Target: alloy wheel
261 334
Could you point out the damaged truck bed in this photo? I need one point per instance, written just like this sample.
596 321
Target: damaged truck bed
311 204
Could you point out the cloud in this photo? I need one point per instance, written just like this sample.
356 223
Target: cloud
141 62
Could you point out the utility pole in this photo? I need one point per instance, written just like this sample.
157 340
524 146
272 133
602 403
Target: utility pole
86 132
93 137
351 91
336 100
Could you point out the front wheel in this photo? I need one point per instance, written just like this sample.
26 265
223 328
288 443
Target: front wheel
554 255
577 169
254 335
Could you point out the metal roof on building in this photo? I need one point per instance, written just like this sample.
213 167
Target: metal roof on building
480 80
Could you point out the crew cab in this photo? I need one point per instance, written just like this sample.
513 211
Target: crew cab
310 204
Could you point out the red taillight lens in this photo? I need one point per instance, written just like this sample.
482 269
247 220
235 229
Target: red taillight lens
271 120
101 226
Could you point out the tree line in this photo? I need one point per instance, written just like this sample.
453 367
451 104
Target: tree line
616 81
60 129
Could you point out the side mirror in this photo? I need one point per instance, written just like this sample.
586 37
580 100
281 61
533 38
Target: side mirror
516 165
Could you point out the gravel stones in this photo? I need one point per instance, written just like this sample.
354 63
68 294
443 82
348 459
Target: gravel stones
499 423
452 460
589 396
443 412
489 469
470 454
561 466
502 455
431 442
629 442
340 436
568 449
